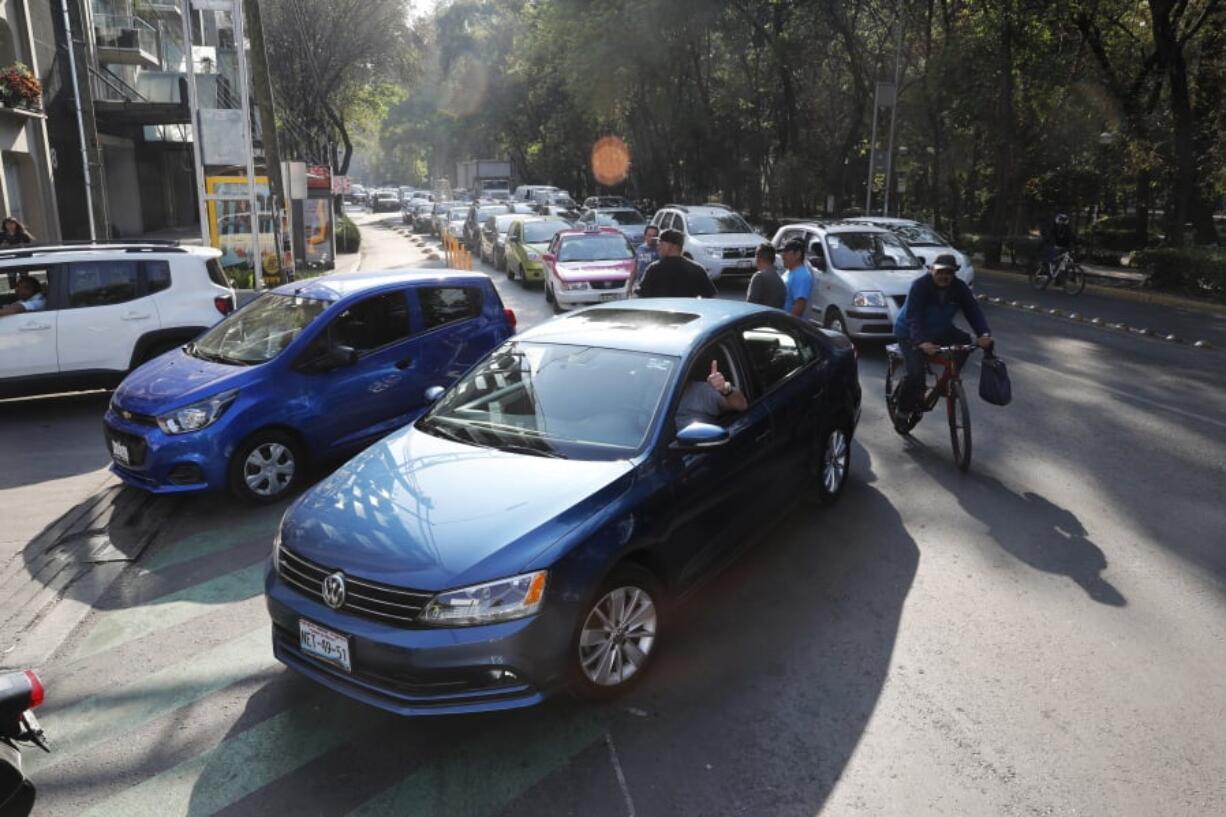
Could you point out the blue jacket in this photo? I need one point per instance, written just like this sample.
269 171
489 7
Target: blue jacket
929 311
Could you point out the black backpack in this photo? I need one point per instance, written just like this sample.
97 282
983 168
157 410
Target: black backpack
994 385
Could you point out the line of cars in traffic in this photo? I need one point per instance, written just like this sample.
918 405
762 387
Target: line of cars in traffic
864 265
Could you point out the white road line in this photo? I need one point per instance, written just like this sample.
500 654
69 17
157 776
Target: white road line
621 776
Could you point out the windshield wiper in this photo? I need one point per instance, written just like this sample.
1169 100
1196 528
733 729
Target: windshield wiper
527 449
434 426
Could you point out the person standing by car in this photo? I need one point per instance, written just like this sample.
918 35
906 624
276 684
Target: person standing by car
675 276
12 232
647 254
30 298
926 321
766 287
798 279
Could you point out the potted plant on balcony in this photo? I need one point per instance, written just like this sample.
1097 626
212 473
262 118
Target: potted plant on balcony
19 88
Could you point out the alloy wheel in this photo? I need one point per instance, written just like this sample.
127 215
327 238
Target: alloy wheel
834 466
617 637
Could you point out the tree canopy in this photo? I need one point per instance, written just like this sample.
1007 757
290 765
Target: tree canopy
1009 110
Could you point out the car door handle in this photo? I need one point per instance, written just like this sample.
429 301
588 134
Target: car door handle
404 363
34 327
136 316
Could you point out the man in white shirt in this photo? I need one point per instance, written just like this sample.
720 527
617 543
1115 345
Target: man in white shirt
30 298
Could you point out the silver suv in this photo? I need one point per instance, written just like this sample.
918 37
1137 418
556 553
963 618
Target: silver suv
106 309
715 236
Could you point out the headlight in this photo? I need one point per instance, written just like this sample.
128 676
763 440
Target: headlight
714 252
197 415
575 286
502 600
534 256
876 299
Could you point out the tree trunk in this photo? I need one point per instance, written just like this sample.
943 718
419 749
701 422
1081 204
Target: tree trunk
1005 123
1188 197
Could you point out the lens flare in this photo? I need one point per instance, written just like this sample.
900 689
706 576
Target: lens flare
610 161
465 88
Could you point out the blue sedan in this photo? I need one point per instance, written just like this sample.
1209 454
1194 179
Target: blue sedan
309 372
527 533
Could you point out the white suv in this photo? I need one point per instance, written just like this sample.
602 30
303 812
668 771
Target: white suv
109 308
715 236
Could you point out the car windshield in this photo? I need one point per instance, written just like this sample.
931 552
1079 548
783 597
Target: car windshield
503 223
724 223
595 248
919 235
582 402
869 251
457 214
493 210
259 332
562 201
540 232
620 218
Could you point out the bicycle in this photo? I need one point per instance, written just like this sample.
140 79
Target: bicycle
947 385
1064 270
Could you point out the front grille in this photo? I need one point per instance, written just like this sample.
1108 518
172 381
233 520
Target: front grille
136 446
133 417
380 602
607 284
739 252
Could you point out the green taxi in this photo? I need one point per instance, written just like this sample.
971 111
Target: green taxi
527 241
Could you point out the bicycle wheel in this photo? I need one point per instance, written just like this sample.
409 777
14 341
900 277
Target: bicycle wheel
1040 276
959 425
902 423
1074 279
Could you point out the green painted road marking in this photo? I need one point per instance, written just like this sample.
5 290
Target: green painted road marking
238 766
484 776
112 714
215 541
120 626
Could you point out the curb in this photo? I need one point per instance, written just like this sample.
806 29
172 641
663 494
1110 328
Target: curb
1077 317
1160 298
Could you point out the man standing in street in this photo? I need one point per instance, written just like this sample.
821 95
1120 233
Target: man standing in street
798 279
675 276
647 254
766 287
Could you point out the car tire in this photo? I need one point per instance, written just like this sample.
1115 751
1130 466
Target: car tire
835 320
510 272
280 462
618 633
832 463
548 292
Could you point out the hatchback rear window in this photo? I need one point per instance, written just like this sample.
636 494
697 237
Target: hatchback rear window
443 305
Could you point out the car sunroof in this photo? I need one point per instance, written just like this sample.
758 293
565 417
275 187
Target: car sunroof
636 318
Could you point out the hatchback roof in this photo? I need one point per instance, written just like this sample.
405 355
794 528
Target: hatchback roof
340 285
667 326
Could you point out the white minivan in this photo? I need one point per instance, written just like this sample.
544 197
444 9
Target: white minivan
861 275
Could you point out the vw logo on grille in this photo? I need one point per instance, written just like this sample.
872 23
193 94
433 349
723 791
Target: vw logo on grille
334 590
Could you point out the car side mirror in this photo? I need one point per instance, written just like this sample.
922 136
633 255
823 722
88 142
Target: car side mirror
434 393
697 436
818 262
336 357
550 257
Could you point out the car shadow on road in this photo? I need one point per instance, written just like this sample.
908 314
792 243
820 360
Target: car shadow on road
1029 526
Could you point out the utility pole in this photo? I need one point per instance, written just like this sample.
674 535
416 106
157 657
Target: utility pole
889 158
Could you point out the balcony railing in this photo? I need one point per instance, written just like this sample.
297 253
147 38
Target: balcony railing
125 40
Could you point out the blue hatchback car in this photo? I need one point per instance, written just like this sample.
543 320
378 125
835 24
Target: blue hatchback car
308 372
527 533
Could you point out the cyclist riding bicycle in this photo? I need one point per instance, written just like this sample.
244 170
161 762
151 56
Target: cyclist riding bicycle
926 322
1058 237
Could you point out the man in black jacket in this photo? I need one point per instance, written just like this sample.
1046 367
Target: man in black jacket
675 276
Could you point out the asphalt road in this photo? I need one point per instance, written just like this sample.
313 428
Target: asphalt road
1042 636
